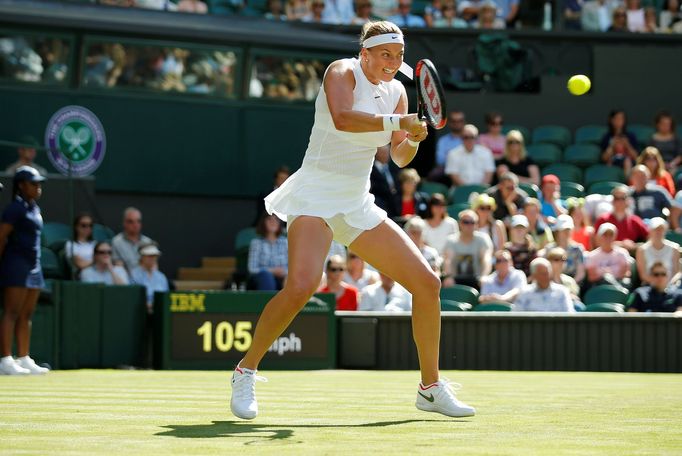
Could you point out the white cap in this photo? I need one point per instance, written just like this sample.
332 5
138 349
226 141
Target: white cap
150 250
519 219
657 222
563 222
604 227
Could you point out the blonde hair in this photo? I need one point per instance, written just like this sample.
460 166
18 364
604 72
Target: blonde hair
515 135
374 28
409 174
652 152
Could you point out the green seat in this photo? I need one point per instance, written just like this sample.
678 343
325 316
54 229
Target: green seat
531 189
460 293
571 189
679 131
674 237
222 7
102 233
455 209
544 154
241 247
605 307
643 134
602 173
552 134
524 131
461 194
50 264
590 134
493 307
564 171
605 293
433 187
447 305
603 188
54 232
582 155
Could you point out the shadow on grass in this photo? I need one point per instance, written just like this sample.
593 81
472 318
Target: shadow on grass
268 431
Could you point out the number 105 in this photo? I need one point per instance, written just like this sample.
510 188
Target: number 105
226 336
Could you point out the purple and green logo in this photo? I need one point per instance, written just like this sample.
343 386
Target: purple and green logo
75 140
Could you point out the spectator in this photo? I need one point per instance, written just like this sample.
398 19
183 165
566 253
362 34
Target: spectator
449 18
557 259
363 12
415 229
670 15
125 245
412 202
281 175
103 270
543 295
386 295
439 225
21 274
619 21
665 139
608 263
274 11
657 250
357 275
630 229
573 14
26 156
521 245
509 198
494 139
148 274
268 255
296 10
508 11
654 297
550 198
192 6
81 250
650 20
404 17
484 205
382 182
583 232
445 144
517 161
487 17
537 228
619 145
346 295
650 200
338 12
384 8
469 9
635 16
597 15
433 12
467 254
316 13
574 264
470 163
651 158
505 283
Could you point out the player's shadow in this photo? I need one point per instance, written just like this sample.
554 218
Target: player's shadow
265 431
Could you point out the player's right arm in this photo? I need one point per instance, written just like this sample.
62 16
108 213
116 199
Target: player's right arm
339 83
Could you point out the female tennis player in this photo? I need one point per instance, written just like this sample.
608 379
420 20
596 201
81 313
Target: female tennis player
359 108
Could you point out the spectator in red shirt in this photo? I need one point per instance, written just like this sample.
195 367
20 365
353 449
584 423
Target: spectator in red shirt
631 228
346 295
412 202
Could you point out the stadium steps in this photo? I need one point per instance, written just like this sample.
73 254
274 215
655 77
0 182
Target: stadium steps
205 273
219 262
184 285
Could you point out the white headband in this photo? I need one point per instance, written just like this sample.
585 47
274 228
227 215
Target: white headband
387 38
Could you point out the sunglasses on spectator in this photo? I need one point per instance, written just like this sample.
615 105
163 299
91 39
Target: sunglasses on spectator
620 198
513 141
557 259
133 220
501 260
485 208
103 252
336 269
467 222
659 274
468 137
85 225
496 122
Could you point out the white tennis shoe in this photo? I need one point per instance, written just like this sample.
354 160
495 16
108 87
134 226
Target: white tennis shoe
8 366
243 402
27 363
439 397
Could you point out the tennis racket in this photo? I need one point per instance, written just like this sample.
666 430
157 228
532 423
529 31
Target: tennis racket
430 95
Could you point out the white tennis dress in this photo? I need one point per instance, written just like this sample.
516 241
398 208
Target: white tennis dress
334 177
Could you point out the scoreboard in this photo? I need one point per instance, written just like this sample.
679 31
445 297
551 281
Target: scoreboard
213 330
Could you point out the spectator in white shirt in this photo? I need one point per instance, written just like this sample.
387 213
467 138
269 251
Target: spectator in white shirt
543 295
470 163
505 283
415 228
357 274
386 295
81 250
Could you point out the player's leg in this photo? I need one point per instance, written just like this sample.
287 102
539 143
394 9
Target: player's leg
22 330
14 298
388 248
309 239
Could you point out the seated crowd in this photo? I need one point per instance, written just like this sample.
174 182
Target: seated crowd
516 238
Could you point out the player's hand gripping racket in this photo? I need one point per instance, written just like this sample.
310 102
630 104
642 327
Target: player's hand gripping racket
430 95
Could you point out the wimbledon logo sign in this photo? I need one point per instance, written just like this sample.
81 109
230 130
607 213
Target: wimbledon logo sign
75 134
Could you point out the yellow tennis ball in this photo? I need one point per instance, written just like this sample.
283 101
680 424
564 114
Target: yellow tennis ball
579 84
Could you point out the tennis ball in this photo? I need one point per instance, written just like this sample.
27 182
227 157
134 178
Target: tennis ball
579 84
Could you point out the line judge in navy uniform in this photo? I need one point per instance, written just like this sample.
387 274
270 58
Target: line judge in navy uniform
20 273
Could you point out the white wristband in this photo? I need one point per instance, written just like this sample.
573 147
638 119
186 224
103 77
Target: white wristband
391 122
412 143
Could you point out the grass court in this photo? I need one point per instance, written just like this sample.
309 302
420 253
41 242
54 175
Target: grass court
340 412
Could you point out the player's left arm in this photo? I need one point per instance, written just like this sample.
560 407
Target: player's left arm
402 152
